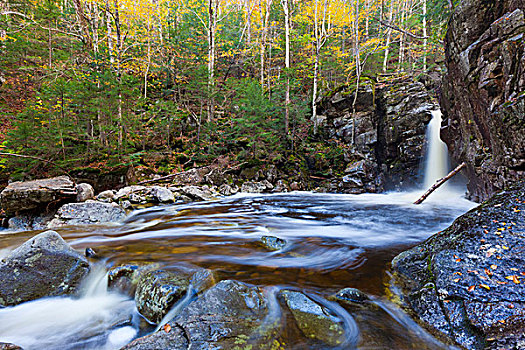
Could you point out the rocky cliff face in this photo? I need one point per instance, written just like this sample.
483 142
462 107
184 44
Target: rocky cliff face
483 93
389 136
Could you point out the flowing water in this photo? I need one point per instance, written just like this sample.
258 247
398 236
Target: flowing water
333 242
437 162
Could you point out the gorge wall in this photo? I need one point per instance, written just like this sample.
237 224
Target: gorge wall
388 141
483 93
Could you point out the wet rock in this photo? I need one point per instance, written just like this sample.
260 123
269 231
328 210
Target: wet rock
314 320
158 291
230 315
273 243
466 282
84 192
125 278
144 194
28 222
350 295
90 253
43 266
87 213
37 194
107 196
482 93
7 346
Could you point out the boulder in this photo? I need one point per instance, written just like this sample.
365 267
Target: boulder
158 291
199 193
482 95
229 315
351 295
256 187
314 320
87 213
43 266
84 192
29 221
37 194
466 282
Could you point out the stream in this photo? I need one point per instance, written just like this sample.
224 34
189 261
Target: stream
333 241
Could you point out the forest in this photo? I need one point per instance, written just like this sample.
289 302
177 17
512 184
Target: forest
101 83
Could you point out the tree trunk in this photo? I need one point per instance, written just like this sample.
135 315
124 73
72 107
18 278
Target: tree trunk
212 26
439 183
388 36
286 9
425 40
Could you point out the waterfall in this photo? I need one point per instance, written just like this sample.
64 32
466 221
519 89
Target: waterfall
436 157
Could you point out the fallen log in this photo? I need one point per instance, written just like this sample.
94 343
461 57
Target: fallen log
440 182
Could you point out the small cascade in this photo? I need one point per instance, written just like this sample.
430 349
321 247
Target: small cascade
97 319
436 158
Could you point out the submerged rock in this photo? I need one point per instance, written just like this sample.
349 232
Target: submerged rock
87 213
37 194
352 295
273 243
230 315
43 266
314 320
467 281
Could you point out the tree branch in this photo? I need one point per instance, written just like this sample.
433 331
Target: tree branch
396 28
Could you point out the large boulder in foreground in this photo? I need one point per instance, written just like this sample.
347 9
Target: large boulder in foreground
230 315
483 97
87 213
467 282
43 266
37 194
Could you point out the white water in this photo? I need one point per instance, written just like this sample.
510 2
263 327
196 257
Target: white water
436 159
96 320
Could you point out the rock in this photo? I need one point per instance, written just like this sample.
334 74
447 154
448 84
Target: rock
482 93
350 295
90 253
256 187
162 195
273 243
107 196
466 282
314 320
43 266
7 346
158 291
197 193
37 194
389 129
28 221
227 190
125 278
87 213
229 315
280 186
84 192
294 186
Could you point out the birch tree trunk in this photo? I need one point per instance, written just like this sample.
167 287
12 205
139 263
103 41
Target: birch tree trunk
286 9
388 36
425 40
212 27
